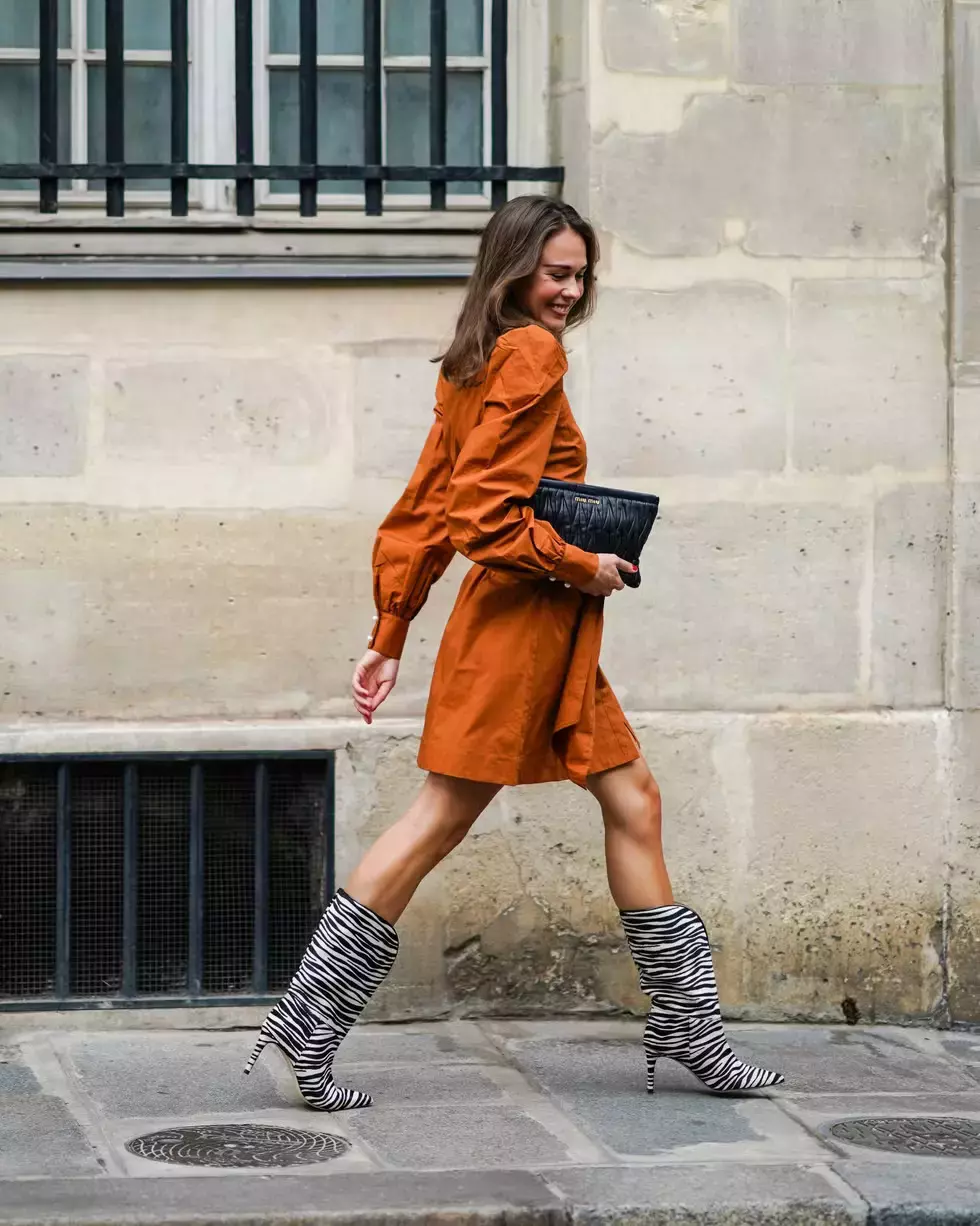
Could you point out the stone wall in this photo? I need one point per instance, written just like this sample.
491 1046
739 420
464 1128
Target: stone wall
964 642
193 494
771 356
190 504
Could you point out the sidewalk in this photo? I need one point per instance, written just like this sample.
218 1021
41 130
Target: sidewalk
503 1122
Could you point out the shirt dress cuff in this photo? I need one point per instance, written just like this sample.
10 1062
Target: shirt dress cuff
389 635
577 566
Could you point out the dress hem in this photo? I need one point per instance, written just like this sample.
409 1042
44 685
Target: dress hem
504 775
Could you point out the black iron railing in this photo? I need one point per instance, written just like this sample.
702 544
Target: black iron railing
245 172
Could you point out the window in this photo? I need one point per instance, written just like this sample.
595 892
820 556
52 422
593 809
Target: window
405 97
400 85
81 88
19 85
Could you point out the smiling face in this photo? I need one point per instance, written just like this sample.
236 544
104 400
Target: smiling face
558 282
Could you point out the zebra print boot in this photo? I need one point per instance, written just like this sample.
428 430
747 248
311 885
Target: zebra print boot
351 952
670 948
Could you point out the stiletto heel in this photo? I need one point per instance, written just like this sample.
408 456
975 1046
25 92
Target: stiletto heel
256 1052
671 950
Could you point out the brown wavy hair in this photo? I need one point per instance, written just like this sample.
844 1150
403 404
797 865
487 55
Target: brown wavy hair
509 254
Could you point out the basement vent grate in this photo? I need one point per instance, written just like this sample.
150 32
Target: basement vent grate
160 880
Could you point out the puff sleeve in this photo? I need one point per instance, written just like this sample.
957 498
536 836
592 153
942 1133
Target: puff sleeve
412 548
503 459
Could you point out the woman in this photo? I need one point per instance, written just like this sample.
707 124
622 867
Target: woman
517 695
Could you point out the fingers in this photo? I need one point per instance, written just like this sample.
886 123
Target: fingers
369 694
363 698
624 565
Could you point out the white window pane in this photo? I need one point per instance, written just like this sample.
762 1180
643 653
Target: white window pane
340 27
147 123
408 125
146 25
19 27
340 108
19 119
407 27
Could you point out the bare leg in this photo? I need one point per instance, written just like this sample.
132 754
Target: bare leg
355 945
630 802
437 820
669 943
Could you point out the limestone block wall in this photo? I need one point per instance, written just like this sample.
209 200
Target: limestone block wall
188 509
964 644
769 178
191 480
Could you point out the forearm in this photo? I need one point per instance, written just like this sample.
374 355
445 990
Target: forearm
511 539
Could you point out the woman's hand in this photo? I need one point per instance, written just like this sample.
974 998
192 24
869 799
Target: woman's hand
374 679
607 578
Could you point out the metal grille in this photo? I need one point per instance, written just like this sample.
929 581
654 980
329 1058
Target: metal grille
296 863
116 170
160 880
229 877
28 879
95 957
164 832
238 1146
930 1137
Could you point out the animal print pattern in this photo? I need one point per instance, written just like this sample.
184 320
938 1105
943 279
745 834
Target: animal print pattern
671 950
351 952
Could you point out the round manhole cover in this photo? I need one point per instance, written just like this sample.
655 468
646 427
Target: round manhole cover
238 1145
935 1137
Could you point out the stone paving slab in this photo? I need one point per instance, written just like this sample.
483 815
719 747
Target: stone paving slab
147 1075
511 1198
437 1043
919 1192
447 1138
815 1059
966 1050
839 1105
434 1085
162 1074
822 1060
676 1194
602 1085
509 1122
15 1076
39 1136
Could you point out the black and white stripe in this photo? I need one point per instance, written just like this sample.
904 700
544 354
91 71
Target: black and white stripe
671 950
351 952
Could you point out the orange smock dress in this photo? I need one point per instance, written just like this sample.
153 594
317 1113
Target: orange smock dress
517 694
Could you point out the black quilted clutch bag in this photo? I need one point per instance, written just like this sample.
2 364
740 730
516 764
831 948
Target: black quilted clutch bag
598 519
